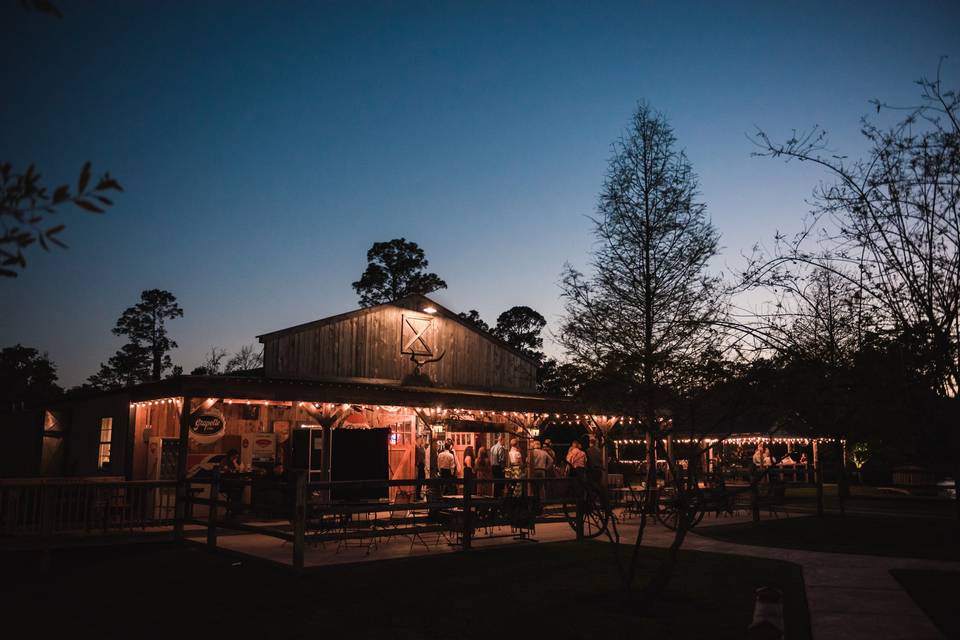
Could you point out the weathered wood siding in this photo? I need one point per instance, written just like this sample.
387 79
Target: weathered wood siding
367 345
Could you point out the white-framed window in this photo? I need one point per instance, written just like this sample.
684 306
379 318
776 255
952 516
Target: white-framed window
106 435
402 433
462 439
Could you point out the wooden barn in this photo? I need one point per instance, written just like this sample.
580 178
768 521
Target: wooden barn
394 343
346 397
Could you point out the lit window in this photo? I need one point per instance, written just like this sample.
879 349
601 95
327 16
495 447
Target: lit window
106 434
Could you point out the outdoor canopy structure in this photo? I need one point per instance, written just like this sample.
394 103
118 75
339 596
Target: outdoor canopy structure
411 367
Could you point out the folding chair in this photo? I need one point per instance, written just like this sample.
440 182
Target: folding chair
402 520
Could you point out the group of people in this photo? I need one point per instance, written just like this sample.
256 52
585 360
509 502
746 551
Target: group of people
502 464
763 460
273 489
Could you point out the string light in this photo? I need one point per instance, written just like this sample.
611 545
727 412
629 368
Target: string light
737 440
155 402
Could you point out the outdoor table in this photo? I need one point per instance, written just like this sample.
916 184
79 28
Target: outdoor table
633 498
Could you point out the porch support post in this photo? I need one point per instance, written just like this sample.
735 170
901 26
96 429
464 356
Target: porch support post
467 508
299 520
580 493
182 485
212 511
816 463
671 463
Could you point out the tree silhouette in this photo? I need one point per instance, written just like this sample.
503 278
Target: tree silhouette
130 365
520 327
641 324
473 317
395 269
27 377
559 378
247 358
212 363
891 222
144 324
815 322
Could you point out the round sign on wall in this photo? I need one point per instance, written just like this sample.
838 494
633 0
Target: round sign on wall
207 427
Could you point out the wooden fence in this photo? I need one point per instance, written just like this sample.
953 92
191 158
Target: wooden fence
315 517
76 507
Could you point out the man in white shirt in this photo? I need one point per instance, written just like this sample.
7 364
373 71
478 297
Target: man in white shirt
539 460
447 464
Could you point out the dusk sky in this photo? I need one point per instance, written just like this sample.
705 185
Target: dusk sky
263 147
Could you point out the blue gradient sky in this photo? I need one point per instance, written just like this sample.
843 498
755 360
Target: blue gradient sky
263 148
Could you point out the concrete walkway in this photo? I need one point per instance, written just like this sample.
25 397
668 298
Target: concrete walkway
850 597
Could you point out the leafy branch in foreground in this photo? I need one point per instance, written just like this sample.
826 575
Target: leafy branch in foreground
26 206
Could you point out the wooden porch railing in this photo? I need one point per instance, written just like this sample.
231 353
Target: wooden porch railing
315 518
77 507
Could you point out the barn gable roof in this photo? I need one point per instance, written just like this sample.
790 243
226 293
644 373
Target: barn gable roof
413 302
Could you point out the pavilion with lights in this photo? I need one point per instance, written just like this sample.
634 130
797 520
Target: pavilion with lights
795 455
345 397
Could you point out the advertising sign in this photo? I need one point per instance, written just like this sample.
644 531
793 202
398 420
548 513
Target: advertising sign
207 427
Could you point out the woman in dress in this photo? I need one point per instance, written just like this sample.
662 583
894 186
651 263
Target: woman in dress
514 469
484 472
468 472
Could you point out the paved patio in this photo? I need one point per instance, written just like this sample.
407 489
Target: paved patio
320 555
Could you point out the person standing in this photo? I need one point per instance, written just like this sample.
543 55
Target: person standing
577 459
548 449
483 470
758 457
594 461
498 460
515 469
468 471
420 460
768 465
767 457
447 464
538 468
551 466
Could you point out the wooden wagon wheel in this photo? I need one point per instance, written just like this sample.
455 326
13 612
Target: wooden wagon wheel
596 511
668 511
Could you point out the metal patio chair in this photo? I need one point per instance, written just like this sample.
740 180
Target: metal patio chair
402 520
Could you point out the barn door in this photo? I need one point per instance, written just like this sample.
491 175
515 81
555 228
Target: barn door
402 456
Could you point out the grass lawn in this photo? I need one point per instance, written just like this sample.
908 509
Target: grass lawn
873 535
937 593
558 590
